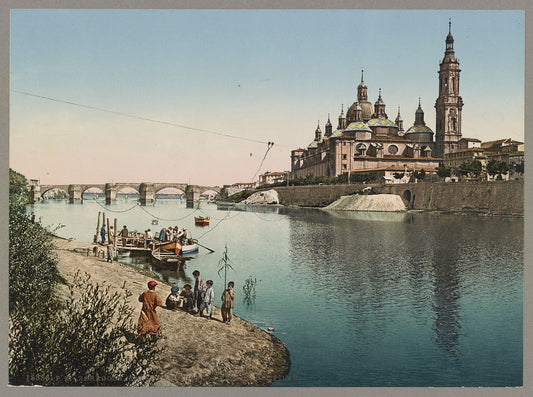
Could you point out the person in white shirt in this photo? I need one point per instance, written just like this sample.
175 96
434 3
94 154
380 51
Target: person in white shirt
208 300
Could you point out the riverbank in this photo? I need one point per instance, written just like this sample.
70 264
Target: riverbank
491 198
198 352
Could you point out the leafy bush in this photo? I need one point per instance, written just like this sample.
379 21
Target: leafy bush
87 340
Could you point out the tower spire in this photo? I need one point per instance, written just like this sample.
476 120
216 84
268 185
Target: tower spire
450 26
362 75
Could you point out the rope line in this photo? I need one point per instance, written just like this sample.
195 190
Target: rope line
141 117
169 220
110 210
218 223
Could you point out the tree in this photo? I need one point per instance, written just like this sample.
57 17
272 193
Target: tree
499 168
398 175
420 175
472 168
519 168
444 172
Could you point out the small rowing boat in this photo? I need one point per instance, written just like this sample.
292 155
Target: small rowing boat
201 221
167 260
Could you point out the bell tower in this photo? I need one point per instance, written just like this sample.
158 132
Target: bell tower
449 104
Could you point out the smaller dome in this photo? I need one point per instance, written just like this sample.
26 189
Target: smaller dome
381 123
313 145
418 129
358 126
336 133
449 38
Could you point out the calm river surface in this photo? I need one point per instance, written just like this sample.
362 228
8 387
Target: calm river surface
359 299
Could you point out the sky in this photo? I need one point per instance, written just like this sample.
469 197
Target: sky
208 89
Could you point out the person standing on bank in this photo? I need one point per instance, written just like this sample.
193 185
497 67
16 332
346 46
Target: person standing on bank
228 296
110 252
102 234
209 299
148 320
124 234
199 289
111 235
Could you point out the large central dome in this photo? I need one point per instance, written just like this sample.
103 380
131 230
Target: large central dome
367 110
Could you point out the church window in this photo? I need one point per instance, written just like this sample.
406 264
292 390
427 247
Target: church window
344 156
393 149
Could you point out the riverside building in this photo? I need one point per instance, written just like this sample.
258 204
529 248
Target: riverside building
367 140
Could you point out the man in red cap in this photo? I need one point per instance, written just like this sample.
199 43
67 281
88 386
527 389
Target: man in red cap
148 320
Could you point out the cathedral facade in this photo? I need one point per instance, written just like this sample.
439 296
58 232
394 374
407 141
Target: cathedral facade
366 139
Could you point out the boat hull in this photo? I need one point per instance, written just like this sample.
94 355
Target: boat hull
201 221
185 249
167 261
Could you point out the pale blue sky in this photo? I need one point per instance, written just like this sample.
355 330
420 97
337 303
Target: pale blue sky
265 75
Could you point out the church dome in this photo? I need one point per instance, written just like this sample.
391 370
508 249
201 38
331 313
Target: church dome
415 129
358 126
381 123
367 110
336 133
313 145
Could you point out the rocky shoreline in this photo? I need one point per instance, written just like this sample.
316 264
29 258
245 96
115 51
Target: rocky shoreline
198 352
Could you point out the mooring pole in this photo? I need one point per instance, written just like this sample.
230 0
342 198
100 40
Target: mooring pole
115 242
97 229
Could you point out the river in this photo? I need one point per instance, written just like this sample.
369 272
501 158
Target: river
359 299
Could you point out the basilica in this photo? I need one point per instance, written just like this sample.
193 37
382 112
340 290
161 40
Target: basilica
366 140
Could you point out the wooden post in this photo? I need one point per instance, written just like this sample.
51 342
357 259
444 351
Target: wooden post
97 228
116 238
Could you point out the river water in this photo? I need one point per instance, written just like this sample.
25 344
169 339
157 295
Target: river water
359 299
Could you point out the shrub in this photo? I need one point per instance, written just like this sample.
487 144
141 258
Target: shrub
88 340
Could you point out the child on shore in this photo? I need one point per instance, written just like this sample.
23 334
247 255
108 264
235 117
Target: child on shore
228 296
173 299
188 298
208 300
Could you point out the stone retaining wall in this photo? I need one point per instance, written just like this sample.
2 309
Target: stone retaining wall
498 198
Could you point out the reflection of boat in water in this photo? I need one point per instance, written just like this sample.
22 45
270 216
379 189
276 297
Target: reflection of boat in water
167 260
171 246
371 216
201 221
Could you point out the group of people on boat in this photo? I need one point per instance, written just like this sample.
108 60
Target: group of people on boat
194 300
173 234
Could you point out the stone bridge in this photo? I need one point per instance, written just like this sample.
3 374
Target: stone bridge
147 191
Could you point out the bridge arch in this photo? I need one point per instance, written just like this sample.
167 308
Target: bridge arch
52 188
166 189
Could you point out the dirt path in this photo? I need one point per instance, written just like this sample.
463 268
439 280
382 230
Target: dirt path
199 352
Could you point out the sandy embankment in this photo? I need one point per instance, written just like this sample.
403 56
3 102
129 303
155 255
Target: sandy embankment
199 352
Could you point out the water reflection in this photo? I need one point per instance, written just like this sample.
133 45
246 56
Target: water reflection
447 326
372 216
